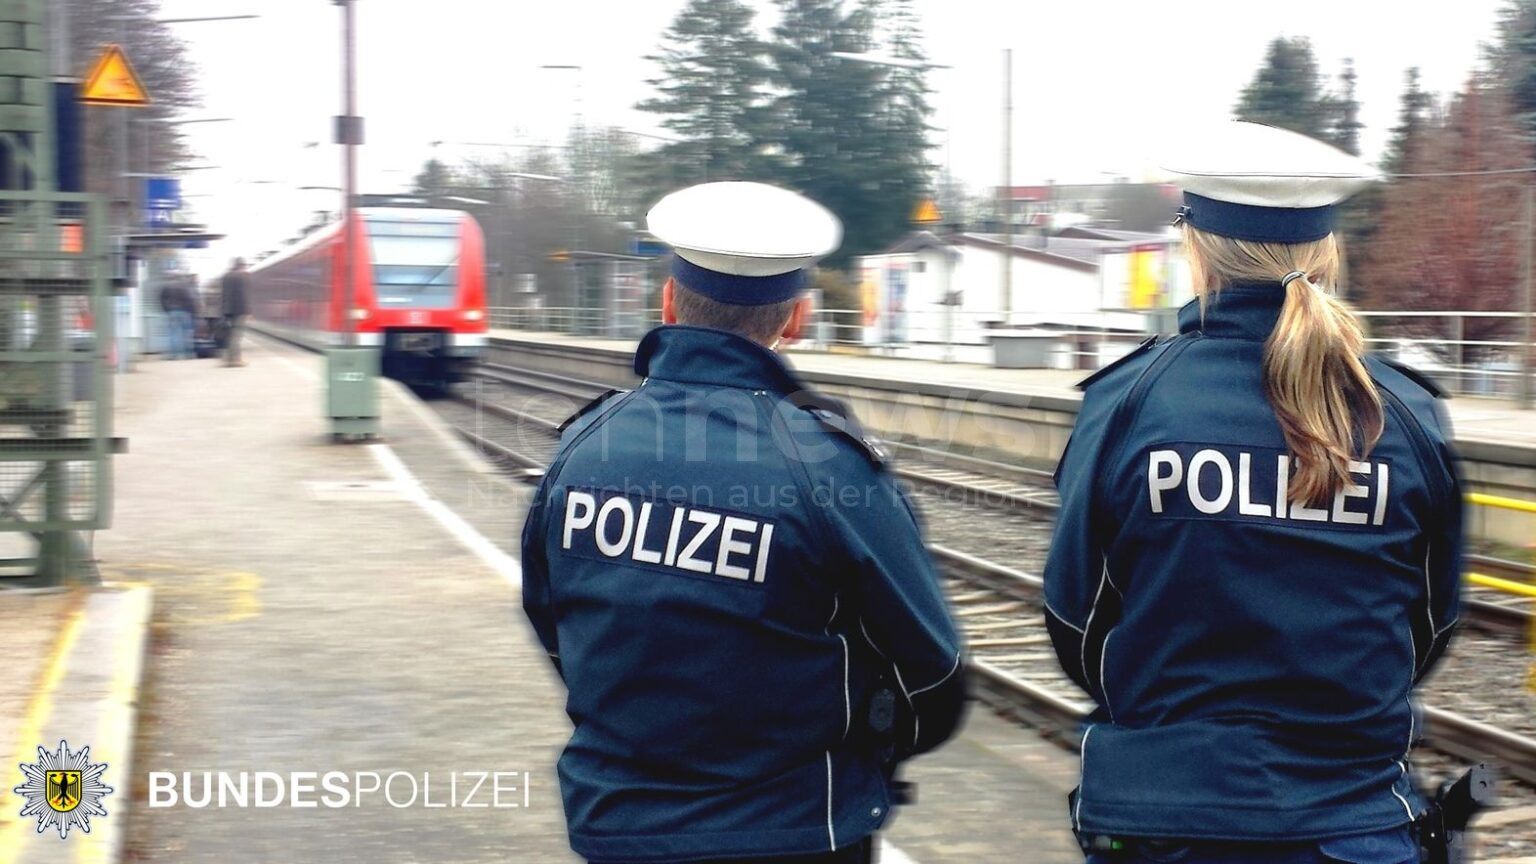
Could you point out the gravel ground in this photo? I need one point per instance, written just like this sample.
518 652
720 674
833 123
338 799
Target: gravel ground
1009 537
525 438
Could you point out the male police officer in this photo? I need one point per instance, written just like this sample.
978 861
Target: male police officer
722 571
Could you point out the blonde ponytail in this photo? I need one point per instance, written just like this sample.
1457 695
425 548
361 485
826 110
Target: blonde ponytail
1314 375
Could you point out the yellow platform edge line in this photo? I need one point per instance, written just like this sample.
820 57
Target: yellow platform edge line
11 830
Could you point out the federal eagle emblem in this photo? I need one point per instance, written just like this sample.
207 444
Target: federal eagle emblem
63 789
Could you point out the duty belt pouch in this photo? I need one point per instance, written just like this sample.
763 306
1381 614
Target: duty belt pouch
881 720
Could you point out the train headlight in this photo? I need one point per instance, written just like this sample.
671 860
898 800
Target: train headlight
359 314
473 314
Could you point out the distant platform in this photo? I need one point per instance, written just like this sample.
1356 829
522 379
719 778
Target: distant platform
1477 420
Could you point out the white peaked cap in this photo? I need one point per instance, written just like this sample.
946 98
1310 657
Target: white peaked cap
1264 166
744 229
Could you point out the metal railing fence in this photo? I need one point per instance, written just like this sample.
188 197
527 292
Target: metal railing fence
1477 353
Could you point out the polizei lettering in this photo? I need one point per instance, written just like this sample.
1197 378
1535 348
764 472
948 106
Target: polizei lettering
660 534
1194 481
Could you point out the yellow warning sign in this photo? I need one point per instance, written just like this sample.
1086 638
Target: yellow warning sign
113 82
927 213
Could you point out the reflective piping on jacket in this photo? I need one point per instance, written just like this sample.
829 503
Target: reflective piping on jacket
1112 585
871 641
951 671
899 683
1429 612
831 832
1088 625
1082 767
1413 647
1404 773
1104 688
1059 617
847 699
907 695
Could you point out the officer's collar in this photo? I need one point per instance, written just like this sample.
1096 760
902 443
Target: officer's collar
1240 310
703 355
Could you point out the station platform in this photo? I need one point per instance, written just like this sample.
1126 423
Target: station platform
325 607
1487 420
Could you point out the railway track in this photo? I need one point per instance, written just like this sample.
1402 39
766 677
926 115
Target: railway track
1014 667
974 480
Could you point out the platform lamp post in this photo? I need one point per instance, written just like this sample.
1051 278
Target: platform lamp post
349 134
575 239
352 399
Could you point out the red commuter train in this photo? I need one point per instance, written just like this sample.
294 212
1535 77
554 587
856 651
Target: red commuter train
418 282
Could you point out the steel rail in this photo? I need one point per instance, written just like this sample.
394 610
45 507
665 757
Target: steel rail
506 413
1060 717
534 466
1446 732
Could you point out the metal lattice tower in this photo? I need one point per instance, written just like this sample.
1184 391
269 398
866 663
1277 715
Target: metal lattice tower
55 330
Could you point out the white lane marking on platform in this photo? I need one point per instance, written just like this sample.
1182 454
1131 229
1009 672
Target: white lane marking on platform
504 565
453 443
302 370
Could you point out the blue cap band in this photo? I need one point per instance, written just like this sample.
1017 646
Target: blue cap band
738 290
1259 224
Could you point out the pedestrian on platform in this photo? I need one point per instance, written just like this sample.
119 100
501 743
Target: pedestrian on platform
236 301
177 304
728 579
1258 552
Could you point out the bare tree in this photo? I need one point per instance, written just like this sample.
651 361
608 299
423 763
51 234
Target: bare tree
1454 242
160 58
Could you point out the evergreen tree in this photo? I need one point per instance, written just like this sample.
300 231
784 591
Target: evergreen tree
1413 118
434 179
905 93
1287 90
854 134
712 94
1358 216
1514 62
1344 128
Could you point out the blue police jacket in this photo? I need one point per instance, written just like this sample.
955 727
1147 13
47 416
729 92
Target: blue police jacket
1251 658
723 571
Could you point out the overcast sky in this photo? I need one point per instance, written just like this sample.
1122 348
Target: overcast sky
1098 87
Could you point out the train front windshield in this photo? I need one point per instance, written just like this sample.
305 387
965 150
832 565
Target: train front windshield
415 264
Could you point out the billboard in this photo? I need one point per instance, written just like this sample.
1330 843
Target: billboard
1137 277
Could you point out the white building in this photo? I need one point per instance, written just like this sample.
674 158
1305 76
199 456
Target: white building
1091 293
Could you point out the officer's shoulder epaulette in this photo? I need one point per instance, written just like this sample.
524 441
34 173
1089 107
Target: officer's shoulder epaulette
834 415
1139 351
1415 376
588 409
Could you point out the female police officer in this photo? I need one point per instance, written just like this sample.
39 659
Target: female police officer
1258 549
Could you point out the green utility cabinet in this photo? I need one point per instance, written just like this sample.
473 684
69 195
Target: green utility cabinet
352 392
